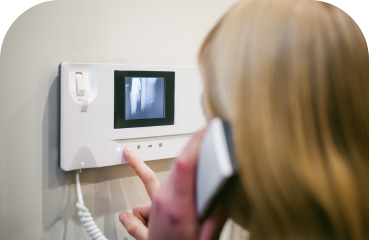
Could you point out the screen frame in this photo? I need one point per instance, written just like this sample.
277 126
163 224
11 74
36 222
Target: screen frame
120 98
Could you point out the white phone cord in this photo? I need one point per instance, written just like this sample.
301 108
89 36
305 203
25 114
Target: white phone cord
85 215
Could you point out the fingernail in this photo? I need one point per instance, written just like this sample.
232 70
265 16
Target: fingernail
127 150
123 216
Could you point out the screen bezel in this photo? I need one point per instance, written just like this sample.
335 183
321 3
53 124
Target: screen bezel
120 98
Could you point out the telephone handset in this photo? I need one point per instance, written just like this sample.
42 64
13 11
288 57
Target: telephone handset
216 166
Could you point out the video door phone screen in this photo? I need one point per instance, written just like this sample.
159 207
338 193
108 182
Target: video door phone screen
143 98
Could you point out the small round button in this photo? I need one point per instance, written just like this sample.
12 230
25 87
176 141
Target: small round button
138 147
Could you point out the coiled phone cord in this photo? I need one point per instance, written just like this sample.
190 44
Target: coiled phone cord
85 215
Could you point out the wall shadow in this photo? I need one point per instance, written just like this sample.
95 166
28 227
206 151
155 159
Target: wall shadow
56 190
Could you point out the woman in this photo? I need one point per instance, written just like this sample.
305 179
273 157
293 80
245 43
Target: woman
292 79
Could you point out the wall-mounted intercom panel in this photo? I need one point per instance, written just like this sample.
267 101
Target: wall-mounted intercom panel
105 107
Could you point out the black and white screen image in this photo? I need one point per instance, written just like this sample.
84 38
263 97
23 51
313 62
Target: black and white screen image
144 98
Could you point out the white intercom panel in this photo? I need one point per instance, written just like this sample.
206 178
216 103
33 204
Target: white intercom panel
104 107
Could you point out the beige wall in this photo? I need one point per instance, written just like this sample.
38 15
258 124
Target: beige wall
37 199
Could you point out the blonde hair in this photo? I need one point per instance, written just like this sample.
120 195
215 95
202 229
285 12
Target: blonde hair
292 78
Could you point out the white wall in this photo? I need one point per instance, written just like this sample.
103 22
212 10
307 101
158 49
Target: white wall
37 199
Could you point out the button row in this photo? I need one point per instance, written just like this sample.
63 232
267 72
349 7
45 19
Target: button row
139 146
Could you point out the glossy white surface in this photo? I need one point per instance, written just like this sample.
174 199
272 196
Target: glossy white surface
89 136
213 167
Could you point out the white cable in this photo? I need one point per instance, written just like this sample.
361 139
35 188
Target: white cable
85 215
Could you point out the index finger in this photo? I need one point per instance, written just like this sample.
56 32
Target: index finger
145 173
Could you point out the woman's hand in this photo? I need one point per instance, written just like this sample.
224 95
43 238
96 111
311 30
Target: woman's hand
172 214
136 223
